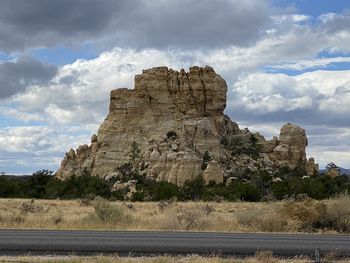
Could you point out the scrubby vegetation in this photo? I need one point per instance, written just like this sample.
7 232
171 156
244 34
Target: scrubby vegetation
260 257
241 144
307 215
289 184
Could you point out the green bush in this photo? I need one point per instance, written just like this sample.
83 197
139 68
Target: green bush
205 160
138 196
127 173
163 191
105 212
193 190
171 135
249 186
8 188
239 144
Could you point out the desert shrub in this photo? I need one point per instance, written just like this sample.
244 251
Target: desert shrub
185 219
129 206
36 184
117 195
127 172
8 188
248 218
57 218
163 191
151 190
266 221
305 215
171 135
247 191
78 187
17 218
188 218
86 200
271 222
239 144
138 196
205 160
193 190
337 216
301 197
249 186
135 151
280 190
207 209
163 205
105 212
30 207
219 192
266 256
308 213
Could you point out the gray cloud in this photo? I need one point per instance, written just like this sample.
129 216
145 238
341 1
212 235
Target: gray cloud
300 117
25 71
193 24
41 23
138 23
311 98
333 22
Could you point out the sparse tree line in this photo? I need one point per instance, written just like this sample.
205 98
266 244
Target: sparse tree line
251 186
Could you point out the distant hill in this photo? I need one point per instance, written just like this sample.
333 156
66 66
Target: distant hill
16 177
342 170
345 171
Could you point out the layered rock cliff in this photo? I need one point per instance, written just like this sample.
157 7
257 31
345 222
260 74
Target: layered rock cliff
169 122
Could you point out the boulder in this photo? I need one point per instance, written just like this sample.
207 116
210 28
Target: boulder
333 172
312 168
213 172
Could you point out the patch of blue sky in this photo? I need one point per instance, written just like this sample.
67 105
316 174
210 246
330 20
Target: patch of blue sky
78 133
293 72
62 55
315 7
331 54
289 72
338 66
26 168
6 57
11 122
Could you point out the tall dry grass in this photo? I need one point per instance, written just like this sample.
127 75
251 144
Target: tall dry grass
287 216
262 257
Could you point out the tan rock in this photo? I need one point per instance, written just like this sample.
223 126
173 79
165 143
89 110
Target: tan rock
295 137
268 146
213 172
333 172
312 168
93 138
230 180
290 149
168 121
190 104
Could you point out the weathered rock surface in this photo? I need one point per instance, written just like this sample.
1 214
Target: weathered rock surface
213 172
168 121
312 168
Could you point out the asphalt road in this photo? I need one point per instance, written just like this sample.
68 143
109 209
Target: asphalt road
16 242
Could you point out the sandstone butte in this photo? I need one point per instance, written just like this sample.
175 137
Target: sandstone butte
172 127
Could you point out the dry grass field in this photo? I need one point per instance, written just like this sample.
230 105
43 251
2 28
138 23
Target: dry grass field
333 215
262 257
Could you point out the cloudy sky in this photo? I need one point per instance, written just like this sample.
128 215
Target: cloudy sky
284 61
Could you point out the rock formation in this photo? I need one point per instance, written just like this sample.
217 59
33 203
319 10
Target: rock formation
165 125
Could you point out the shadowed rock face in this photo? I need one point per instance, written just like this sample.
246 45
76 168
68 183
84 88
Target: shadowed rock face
166 124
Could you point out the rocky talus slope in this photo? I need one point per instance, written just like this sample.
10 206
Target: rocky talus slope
171 127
